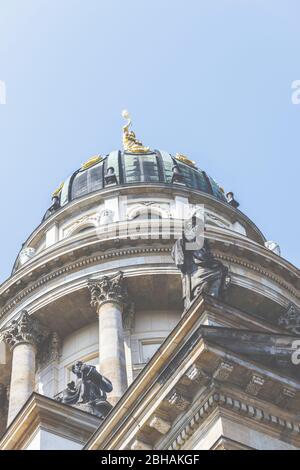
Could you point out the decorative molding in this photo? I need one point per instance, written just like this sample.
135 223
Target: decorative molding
223 371
140 445
139 207
128 252
195 374
161 425
76 265
26 255
259 270
81 222
241 407
108 289
285 397
255 385
26 329
178 400
218 221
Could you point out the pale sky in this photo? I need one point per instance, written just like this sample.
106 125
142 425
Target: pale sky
208 78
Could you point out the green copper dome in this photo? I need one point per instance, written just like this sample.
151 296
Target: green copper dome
124 168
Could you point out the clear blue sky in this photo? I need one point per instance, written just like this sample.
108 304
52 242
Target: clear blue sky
208 78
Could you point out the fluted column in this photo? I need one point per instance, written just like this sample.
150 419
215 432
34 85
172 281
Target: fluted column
109 297
23 337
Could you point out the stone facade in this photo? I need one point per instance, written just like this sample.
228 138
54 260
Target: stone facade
100 286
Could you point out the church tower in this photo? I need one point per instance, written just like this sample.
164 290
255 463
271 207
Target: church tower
147 311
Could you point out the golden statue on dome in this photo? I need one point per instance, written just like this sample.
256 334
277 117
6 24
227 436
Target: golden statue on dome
130 143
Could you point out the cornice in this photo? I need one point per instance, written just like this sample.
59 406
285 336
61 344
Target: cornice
84 261
77 265
228 242
241 407
57 417
260 270
151 188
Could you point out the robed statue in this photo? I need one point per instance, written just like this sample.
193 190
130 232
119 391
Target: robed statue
90 387
201 272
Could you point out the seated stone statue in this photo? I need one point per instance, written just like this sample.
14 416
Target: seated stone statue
90 386
201 273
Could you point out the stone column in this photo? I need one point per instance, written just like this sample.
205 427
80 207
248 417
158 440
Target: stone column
3 407
109 296
23 337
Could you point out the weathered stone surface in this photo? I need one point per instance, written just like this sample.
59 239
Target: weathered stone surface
285 397
196 375
23 336
161 425
109 296
22 377
140 445
25 329
178 400
255 385
223 371
50 350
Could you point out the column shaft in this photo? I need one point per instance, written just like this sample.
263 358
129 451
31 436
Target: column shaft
111 348
23 337
22 377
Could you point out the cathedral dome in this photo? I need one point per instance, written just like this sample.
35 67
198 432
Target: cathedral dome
136 164
126 168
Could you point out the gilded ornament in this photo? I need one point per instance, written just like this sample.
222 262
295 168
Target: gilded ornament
130 143
91 162
182 158
57 192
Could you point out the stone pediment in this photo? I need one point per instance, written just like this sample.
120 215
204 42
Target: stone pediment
206 374
273 350
42 420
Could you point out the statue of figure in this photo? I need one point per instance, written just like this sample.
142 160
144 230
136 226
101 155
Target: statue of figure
90 386
201 273
130 142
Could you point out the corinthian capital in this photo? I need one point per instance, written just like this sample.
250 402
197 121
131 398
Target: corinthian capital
108 289
25 329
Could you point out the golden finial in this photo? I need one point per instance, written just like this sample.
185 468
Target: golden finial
58 190
91 162
184 159
130 143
